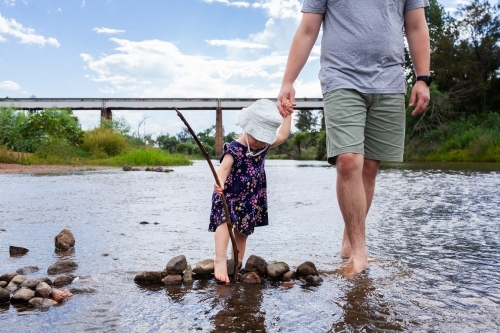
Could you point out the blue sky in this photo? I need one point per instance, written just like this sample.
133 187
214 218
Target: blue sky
154 48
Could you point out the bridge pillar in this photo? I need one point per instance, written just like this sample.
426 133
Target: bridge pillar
219 135
106 114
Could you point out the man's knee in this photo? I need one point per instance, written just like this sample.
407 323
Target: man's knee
349 164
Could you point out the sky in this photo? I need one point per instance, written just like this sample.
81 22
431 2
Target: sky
154 48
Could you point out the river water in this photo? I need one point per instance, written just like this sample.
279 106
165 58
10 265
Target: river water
433 235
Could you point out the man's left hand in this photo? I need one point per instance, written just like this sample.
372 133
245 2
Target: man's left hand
420 94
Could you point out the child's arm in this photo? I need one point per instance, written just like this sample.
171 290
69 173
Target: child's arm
222 172
283 131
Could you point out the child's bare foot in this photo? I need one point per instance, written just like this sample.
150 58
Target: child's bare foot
220 270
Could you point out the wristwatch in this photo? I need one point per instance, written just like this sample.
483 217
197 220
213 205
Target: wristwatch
426 79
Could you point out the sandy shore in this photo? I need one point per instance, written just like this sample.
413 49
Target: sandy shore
37 169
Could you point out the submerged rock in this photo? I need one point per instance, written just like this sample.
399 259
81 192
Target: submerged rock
251 278
27 270
17 251
63 279
172 279
63 266
4 296
150 276
64 240
41 303
314 280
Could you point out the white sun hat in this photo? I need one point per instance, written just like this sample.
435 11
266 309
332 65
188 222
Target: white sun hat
261 120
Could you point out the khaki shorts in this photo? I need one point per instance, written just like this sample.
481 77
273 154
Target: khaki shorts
368 124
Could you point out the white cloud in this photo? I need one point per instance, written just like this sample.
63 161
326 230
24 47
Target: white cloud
230 3
83 3
10 3
59 9
281 9
25 35
9 85
108 31
236 43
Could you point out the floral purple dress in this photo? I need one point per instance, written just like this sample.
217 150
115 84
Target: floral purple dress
245 191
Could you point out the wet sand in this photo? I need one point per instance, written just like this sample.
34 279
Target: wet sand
43 169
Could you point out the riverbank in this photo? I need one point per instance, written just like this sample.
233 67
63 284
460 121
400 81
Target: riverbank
44 169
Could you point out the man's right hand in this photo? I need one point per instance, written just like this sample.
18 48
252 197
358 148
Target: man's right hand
285 97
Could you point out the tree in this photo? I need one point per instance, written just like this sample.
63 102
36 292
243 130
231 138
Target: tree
167 142
183 135
306 120
299 139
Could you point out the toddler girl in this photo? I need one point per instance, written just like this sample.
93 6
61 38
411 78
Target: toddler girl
242 172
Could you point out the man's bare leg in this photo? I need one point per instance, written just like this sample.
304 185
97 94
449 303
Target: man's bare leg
353 205
370 171
220 263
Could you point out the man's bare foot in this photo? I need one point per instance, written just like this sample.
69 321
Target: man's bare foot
220 270
350 268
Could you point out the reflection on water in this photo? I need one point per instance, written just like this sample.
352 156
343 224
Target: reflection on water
433 233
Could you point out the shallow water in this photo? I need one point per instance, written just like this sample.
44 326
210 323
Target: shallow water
433 233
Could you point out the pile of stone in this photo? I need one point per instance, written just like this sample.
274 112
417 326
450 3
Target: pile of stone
40 292
155 169
256 271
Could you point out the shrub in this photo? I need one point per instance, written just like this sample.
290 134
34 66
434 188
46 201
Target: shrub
102 142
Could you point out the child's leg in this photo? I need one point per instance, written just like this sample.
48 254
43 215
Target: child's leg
220 264
241 244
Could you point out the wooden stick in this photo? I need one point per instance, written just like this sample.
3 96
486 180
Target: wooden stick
226 209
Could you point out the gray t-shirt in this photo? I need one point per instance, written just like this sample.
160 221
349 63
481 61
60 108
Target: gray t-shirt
363 45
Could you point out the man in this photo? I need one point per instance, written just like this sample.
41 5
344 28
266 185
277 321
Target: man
363 84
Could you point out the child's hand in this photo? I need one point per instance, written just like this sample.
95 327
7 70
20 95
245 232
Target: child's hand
218 189
287 106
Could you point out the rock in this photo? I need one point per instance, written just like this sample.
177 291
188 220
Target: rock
204 267
172 279
168 170
307 268
23 295
276 269
149 277
63 279
144 222
3 284
314 280
251 278
176 265
4 296
46 280
27 270
18 279
63 266
7 277
256 264
64 240
230 266
12 286
127 168
136 169
41 303
187 277
17 251
43 290
287 284
60 295
30 283
83 290
288 276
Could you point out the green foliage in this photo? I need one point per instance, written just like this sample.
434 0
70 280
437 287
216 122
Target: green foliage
10 124
102 142
150 156
321 144
306 120
119 125
167 142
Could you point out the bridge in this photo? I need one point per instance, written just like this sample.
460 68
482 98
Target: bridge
107 105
